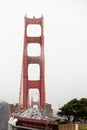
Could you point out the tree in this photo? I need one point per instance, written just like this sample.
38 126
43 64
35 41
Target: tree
75 108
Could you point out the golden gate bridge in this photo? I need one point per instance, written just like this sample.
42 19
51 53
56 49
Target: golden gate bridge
31 115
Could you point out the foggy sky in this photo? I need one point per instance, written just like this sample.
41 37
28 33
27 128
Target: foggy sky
65 32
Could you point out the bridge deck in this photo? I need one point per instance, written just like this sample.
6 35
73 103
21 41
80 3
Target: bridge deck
33 118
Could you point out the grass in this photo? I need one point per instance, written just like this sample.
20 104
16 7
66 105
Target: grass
83 128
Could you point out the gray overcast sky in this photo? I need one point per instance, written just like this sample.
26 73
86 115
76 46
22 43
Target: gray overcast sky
65 31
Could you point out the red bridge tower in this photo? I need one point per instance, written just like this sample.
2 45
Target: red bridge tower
26 83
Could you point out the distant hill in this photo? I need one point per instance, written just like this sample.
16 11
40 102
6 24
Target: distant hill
4 115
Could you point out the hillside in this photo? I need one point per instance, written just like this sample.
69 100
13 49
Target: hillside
4 114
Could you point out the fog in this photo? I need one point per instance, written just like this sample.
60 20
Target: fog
65 33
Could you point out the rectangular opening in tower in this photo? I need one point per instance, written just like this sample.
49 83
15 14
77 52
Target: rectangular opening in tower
33 97
33 30
33 49
33 72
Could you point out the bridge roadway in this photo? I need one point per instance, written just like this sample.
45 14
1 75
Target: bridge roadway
31 119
